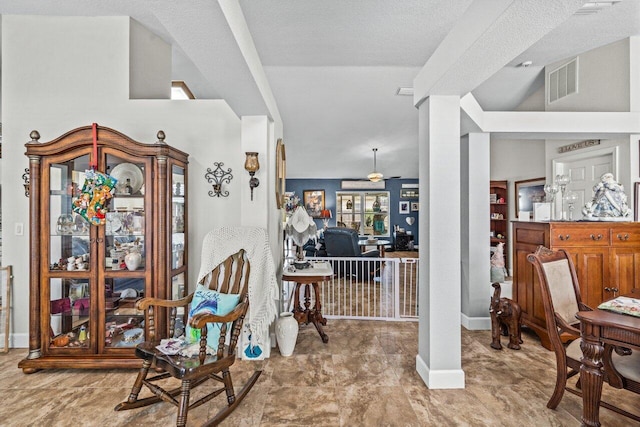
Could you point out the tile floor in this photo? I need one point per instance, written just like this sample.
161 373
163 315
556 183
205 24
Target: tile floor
364 376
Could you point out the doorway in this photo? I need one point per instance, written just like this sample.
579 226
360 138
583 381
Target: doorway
585 171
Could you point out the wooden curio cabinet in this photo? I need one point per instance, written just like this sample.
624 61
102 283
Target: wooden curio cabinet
85 279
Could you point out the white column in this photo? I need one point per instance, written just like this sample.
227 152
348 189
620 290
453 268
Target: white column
439 345
474 185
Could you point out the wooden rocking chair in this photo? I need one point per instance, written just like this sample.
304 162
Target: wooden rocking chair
230 277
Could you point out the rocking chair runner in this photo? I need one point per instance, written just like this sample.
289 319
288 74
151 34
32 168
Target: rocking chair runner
230 277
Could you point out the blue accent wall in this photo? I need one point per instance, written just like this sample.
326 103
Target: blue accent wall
331 186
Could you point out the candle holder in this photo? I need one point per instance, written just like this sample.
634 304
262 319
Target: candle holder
551 190
571 200
252 165
562 181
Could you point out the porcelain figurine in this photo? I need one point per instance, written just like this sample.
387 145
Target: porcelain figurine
609 201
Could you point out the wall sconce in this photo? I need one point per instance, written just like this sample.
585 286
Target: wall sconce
25 178
216 177
251 164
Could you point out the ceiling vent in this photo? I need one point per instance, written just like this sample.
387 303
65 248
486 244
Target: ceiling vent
563 81
404 91
593 7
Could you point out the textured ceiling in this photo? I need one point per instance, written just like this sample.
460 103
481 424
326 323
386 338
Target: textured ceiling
334 65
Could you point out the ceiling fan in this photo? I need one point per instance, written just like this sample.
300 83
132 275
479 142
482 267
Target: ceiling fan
376 176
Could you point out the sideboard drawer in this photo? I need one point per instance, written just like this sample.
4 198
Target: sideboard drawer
625 237
596 236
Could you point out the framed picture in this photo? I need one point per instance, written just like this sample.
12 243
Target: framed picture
404 207
281 174
409 193
528 192
636 194
415 206
314 202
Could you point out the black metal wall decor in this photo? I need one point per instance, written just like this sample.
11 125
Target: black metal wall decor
25 178
216 178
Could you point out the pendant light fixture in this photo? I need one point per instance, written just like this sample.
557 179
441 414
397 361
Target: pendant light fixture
375 176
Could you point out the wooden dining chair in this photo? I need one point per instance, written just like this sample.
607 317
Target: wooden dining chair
560 293
227 285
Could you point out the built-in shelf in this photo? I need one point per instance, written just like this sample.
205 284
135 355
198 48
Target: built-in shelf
499 226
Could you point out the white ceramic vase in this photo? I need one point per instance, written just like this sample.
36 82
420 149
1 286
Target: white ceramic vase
286 333
132 260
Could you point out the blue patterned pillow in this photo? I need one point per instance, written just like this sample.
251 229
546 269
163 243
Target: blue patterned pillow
214 302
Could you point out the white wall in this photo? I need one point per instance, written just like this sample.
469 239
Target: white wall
516 160
474 229
603 80
59 73
149 64
535 101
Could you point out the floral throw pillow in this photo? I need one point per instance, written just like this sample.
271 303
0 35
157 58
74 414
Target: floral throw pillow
214 302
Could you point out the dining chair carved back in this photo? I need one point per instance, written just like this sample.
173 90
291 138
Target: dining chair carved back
224 289
560 293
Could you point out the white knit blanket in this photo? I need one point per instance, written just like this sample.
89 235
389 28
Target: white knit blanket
222 242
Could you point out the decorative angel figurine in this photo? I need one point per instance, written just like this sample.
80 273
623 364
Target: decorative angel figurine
609 201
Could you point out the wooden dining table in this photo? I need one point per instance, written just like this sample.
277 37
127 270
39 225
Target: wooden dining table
600 327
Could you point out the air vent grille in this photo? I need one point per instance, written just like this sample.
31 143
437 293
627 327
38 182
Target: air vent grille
563 81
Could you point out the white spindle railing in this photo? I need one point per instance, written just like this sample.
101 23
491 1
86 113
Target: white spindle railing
367 288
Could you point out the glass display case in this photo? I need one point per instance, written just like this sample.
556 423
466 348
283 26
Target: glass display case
86 278
366 212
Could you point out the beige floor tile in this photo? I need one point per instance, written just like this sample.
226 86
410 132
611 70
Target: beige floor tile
364 376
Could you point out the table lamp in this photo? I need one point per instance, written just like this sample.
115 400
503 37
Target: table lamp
300 227
325 214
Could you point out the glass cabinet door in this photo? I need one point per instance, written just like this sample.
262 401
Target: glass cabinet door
124 323
69 308
69 238
366 212
178 189
126 219
376 214
70 254
125 254
349 210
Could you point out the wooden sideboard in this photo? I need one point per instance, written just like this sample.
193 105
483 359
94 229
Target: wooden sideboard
606 256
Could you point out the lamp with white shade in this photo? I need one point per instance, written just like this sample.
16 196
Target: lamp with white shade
300 227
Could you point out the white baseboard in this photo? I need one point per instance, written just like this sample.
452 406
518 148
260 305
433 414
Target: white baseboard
443 379
475 323
17 340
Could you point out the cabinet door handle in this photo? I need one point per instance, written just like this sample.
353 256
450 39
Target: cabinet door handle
564 237
608 289
623 237
598 237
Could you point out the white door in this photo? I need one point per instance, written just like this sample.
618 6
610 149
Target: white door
585 174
